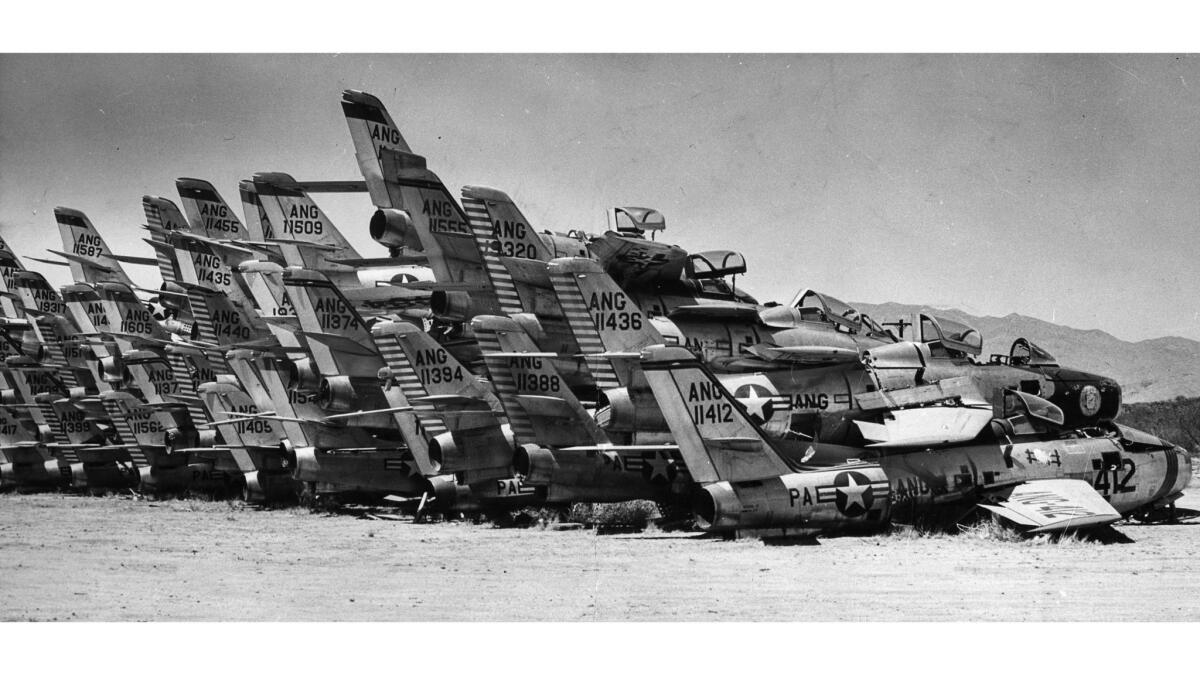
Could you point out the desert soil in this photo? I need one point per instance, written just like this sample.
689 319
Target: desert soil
80 558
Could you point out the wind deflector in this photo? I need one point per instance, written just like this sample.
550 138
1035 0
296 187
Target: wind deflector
1025 353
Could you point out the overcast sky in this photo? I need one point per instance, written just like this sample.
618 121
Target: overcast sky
1061 187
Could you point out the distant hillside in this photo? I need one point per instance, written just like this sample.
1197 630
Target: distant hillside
1177 421
1150 370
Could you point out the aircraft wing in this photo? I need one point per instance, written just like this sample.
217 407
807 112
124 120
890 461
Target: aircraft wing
135 260
619 449
723 312
937 425
805 355
950 388
380 262
86 262
1055 505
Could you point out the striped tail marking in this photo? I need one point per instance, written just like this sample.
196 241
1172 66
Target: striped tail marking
405 375
570 297
506 387
502 281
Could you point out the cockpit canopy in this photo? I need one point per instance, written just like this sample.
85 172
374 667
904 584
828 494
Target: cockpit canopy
822 307
1025 353
715 264
637 220
953 335
810 306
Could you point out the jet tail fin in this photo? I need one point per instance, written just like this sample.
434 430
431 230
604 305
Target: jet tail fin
415 209
88 255
716 436
295 217
604 319
540 407
440 388
207 211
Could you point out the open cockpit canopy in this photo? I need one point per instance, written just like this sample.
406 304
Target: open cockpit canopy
715 264
637 220
956 337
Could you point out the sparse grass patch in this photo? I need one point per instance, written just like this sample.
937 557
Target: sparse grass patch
991 529
621 516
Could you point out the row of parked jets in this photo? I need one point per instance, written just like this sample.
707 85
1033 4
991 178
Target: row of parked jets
484 365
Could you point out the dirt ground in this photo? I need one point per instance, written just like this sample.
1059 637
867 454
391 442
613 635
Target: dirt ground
115 559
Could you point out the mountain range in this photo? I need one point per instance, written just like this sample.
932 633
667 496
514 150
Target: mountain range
1148 370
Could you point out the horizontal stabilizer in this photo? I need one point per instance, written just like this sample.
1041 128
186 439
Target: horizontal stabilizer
1055 505
938 425
380 262
611 355
87 262
332 186
136 260
48 262
439 286
299 242
735 443
618 448
364 413
545 406
341 344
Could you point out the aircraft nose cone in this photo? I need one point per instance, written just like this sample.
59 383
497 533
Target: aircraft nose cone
1185 465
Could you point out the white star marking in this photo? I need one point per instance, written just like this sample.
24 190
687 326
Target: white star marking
756 406
854 492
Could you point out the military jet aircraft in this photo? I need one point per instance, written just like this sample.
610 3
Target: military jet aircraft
1025 467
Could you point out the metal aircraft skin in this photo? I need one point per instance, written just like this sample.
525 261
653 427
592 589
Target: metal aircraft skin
560 447
1024 467
407 194
821 392
304 236
130 395
486 266
327 396
462 443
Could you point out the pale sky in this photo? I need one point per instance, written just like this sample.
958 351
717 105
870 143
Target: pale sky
1060 187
